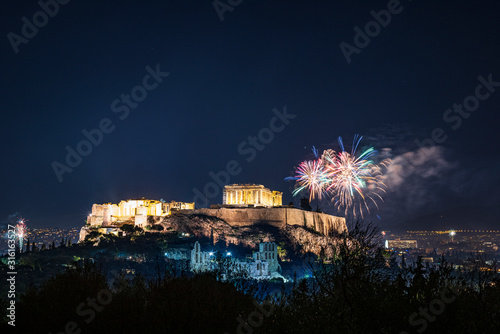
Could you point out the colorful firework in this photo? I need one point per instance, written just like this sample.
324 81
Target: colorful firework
351 181
355 179
311 176
21 231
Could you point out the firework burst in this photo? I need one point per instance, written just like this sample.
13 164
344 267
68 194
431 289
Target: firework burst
351 181
310 175
21 231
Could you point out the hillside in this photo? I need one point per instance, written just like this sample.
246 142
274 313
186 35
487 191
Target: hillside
144 253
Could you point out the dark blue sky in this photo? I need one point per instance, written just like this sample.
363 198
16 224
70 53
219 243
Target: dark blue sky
225 78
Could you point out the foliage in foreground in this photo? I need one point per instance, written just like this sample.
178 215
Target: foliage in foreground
361 291
365 291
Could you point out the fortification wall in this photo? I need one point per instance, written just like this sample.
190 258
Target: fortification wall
278 217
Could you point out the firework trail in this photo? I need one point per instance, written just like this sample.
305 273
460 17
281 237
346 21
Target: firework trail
351 181
21 231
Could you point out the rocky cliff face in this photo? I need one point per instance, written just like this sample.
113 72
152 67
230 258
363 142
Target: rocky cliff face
280 217
295 238
306 241
84 231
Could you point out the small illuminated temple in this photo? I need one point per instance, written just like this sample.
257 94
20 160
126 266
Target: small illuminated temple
134 210
250 194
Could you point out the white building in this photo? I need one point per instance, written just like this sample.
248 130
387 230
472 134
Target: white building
201 261
133 210
264 263
250 194
268 251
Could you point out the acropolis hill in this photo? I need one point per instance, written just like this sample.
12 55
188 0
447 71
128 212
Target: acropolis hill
243 205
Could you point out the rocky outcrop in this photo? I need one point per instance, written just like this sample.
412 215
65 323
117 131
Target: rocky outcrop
84 231
310 242
301 231
199 225
279 217
301 239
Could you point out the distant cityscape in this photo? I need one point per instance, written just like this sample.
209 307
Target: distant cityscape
45 235
427 244
457 246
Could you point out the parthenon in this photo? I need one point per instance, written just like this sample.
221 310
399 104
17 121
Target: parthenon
250 194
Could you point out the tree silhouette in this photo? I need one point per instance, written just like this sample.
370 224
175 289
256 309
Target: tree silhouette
304 204
127 228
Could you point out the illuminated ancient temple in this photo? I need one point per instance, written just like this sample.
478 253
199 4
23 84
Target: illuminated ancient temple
134 210
250 194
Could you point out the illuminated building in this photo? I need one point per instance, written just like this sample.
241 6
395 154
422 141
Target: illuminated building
250 194
268 251
263 265
135 211
401 244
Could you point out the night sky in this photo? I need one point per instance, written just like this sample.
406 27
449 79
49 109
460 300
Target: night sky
217 83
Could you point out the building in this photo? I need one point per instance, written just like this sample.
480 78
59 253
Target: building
268 251
250 194
401 244
200 261
263 265
134 211
110 230
176 206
